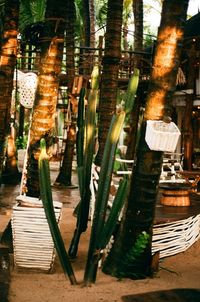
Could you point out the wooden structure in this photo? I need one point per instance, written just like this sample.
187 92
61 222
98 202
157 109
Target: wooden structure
187 97
186 101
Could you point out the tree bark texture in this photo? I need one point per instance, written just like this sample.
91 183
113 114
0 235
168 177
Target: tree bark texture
7 66
44 110
131 253
109 79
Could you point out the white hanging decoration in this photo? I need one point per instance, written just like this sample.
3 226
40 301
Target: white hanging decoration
18 75
27 89
161 136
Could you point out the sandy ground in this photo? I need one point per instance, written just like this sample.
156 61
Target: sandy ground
179 271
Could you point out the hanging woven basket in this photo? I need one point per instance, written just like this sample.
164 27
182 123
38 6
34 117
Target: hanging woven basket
161 136
27 89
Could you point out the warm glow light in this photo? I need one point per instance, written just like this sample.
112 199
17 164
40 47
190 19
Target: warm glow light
164 63
9 48
169 36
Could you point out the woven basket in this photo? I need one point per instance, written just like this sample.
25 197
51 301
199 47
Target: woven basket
161 136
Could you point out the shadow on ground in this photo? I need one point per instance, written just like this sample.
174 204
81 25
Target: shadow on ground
172 295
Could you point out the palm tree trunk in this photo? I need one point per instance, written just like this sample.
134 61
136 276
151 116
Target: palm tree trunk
86 20
92 23
7 65
138 47
138 22
69 43
43 119
188 131
131 253
11 174
109 80
65 173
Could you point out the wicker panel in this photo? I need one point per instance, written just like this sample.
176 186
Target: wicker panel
32 240
27 89
175 237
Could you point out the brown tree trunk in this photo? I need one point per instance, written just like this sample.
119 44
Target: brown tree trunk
11 174
65 173
138 23
131 253
187 125
92 23
138 47
43 120
109 79
7 65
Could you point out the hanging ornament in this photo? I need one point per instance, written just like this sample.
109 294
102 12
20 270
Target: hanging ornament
27 89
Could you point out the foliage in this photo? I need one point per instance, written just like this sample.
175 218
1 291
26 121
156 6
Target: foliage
31 11
134 253
47 200
99 232
101 12
137 249
85 152
21 142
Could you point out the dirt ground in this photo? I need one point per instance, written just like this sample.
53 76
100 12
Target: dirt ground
179 271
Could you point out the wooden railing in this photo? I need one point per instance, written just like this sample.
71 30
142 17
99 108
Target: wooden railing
85 58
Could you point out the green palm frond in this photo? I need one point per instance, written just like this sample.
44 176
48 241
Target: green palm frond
38 10
31 12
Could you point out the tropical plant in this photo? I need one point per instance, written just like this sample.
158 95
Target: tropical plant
43 119
31 12
102 227
109 78
65 173
47 200
138 47
102 198
85 154
139 214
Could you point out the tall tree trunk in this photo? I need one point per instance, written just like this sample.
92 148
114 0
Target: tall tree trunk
64 176
92 23
138 23
86 21
131 253
11 174
43 119
109 79
89 35
138 47
187 125
69 43
7 65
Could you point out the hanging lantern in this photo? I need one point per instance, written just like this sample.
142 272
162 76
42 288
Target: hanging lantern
27 89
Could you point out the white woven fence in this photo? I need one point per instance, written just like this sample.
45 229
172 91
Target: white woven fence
175 237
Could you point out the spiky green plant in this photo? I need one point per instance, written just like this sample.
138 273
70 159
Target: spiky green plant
85 153
131 91
101 230
47 200
102 197
111 221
